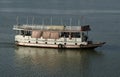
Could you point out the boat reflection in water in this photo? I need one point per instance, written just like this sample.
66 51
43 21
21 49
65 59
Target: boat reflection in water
54 62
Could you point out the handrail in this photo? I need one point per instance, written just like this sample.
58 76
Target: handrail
48 27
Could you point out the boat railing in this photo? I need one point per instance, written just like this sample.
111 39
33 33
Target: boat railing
73 28
29 27
46 27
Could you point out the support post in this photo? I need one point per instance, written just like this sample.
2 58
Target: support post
78 22
61 22
81 35
27 20
70 23
33 20
17 18
51 21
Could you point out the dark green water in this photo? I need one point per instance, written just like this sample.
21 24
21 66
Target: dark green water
102 15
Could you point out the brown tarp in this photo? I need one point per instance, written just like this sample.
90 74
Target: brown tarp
36 34
46 34
54 35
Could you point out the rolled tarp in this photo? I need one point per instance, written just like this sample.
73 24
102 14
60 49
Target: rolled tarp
54 35
46 34
36 34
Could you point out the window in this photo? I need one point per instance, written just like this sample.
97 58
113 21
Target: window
73 34
64 34
26 33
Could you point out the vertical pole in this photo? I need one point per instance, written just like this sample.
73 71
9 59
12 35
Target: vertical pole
33 20
70 22
61 22
78 22
83 20
87 36
81 35
42 21
51 21
27 20
17 18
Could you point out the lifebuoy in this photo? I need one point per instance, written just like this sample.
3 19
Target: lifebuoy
60 46
81 45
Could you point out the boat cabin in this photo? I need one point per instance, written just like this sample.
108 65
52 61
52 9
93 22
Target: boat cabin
53 32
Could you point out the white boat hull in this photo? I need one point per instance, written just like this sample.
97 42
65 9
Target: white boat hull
88 46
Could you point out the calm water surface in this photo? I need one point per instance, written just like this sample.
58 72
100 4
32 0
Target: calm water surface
102 15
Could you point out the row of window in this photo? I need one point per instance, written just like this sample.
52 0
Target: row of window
62 34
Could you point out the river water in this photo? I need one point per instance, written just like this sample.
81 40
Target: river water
102 15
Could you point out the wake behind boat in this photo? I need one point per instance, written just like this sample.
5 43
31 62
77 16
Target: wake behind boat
54 36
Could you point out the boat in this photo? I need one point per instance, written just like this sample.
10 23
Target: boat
54 36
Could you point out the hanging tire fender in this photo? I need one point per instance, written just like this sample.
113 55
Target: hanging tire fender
60 46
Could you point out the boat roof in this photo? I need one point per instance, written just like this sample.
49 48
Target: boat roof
52 28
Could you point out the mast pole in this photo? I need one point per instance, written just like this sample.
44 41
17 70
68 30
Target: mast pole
27 20
61 22
43 23
33 20
51 21
70 23
81 35
78 22
17 18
